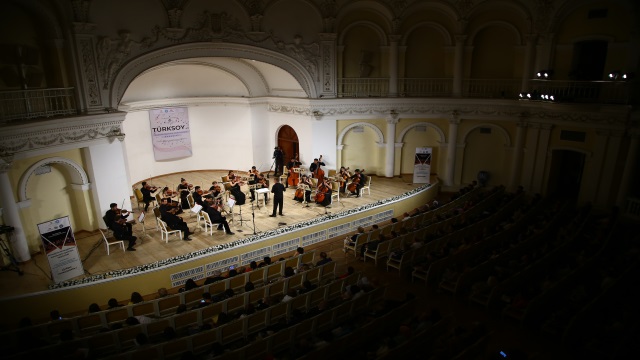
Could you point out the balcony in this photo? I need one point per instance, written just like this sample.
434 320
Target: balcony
599 92
36 103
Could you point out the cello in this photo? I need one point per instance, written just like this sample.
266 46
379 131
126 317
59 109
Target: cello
323 190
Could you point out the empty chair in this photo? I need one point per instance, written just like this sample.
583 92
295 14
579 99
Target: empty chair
109 243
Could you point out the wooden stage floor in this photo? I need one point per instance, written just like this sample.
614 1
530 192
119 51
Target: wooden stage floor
151 248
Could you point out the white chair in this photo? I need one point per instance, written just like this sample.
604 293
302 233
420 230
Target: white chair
165 231
113 242
208 225
367 186
335 191
285 173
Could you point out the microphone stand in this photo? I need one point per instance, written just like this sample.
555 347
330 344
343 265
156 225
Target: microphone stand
253 219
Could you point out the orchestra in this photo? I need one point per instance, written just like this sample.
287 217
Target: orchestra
212 200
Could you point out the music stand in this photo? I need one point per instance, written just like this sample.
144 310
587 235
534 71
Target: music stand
141 221
239 214
253 188
305 188
263 191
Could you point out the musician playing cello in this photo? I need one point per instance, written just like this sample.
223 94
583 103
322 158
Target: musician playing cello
303 195
323 196
357 182
122 230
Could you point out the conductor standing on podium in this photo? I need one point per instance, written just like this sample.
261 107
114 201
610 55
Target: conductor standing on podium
278 197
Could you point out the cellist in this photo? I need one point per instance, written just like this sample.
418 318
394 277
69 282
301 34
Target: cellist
323 196
302 195
357 182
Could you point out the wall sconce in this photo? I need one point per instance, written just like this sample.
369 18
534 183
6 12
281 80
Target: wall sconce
544 74
317 114
619 75
614 75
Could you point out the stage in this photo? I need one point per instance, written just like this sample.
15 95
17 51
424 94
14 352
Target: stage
150 248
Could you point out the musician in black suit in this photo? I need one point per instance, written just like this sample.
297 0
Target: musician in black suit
175 222
361 178
278 155
147 197
185 190
122 230
278 197
316 163
215 216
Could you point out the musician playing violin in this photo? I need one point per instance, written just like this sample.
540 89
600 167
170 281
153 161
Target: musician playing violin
323 196
147 191
237 193
168 195
257 177
216 189
185 190
122 230
212 207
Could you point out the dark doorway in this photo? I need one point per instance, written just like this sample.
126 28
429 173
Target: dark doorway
288 141
566 174
589 58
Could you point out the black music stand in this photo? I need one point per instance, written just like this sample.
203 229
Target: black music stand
5 245
240 216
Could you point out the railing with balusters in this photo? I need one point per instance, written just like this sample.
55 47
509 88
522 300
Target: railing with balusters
36 103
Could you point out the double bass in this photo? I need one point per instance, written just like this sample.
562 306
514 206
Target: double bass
294 177
318 173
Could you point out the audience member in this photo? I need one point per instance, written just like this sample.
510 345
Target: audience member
323 259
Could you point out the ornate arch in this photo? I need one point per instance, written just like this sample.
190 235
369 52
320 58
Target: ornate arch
140 64
375 27
430 24
502 24
78 175
406 130
370 126
500 129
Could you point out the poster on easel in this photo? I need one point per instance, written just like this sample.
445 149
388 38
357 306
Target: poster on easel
62 251
422 165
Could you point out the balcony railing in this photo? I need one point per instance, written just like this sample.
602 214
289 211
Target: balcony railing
37 103
415 87
602 92
491 88
363 87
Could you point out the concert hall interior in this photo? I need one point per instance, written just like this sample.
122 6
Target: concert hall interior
505 132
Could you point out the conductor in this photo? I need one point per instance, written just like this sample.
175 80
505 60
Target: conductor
278 197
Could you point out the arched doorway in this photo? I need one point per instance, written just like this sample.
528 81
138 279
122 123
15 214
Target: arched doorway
288 142
565 175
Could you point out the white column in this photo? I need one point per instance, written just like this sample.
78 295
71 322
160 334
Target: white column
451 149
458 65
541 156
108 175
627 174
339 156
392 120
12 217
393 65
517 155
529 57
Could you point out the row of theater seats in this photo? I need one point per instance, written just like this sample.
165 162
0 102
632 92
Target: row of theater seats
266 281
457 266
432 233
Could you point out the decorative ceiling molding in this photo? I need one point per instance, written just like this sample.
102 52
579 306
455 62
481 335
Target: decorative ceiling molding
32 137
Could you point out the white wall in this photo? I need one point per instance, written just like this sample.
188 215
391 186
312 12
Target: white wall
221 138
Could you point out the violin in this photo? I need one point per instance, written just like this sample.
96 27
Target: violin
123 214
